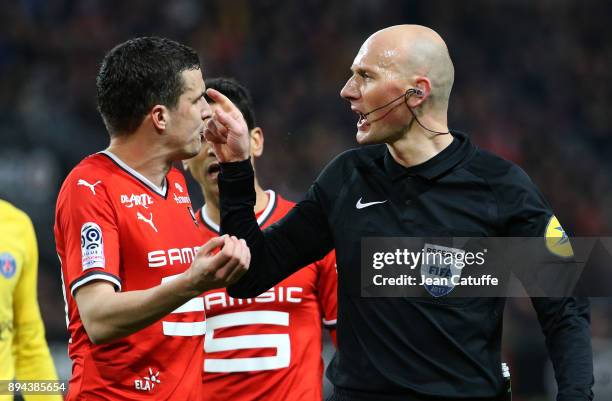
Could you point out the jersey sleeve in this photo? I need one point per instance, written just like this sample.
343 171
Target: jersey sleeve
524 211
327 287
565 321
298 239
32 358
89 229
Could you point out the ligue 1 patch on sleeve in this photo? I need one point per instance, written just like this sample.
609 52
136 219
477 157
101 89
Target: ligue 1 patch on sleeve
92 246
557 241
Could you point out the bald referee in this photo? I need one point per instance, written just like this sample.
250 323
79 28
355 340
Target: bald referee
416 179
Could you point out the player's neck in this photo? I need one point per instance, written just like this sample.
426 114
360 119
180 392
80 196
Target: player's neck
418 145
213 211
149 161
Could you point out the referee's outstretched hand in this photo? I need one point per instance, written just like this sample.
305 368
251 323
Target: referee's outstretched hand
211 269
226 130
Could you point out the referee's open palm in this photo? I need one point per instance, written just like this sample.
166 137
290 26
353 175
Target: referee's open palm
226 130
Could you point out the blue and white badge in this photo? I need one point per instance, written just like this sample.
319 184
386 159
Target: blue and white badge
92 246
8 266
439 269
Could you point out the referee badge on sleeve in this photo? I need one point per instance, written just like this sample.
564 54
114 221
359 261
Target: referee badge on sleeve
557 241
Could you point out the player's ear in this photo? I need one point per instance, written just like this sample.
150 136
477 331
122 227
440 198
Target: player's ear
257 141
159 116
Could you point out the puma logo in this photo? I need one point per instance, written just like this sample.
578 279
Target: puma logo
149 221
90 186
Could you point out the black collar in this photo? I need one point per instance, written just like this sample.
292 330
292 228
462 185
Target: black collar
443 162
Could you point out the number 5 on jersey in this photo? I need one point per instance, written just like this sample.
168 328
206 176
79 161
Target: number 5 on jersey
278 341
185 329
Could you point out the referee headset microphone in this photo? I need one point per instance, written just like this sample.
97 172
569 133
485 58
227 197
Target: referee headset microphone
412 91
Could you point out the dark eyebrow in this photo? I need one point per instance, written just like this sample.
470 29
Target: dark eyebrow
199 97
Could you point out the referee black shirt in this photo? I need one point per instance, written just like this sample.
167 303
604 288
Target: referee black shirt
407 348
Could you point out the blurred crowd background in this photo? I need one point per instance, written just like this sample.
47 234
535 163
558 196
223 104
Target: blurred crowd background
532 85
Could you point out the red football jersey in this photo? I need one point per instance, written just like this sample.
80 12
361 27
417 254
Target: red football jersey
269 347
113 224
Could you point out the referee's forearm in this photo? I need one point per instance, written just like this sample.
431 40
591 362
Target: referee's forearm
237 199
275 254
565 323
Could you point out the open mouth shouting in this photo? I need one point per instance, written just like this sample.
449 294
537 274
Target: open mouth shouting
213 170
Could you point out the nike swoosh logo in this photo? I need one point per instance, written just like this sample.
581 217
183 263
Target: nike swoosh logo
360 205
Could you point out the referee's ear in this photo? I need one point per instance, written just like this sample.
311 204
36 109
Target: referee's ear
257 141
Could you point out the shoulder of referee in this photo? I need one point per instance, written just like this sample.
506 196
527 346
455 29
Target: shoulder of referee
518 198
338 170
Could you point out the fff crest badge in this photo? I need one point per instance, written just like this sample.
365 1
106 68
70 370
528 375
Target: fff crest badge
8 266
439 269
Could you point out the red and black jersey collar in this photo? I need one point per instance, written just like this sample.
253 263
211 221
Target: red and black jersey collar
163 191
261 219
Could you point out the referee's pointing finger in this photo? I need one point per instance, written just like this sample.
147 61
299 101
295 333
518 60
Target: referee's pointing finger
222 100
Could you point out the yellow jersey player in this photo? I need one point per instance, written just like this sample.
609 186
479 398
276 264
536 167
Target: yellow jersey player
24 354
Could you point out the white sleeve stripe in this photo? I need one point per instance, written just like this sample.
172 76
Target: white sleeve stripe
184 329
97 276
329 322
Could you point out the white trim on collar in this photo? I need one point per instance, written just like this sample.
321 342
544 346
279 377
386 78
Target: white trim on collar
260 220
209 221
269 207
160 191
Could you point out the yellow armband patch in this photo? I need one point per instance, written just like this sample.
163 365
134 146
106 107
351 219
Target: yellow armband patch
557 241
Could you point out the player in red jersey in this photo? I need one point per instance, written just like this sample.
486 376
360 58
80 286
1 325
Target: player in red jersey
128 239
269 347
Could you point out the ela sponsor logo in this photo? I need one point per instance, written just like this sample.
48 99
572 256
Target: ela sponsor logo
148 382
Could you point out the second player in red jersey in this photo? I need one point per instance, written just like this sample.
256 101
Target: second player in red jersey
268 347
132 266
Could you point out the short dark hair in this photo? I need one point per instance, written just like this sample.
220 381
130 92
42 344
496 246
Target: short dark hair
138 74
238 94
